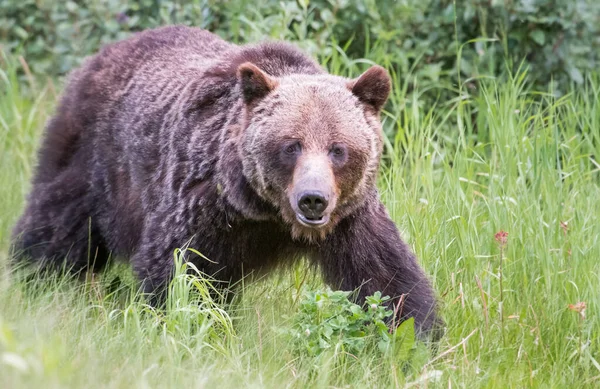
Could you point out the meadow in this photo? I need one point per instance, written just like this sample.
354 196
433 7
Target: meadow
496 189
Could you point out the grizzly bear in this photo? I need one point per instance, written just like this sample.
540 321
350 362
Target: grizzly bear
253 155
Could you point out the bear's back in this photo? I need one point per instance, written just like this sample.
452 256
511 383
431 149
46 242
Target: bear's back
153 56
135 71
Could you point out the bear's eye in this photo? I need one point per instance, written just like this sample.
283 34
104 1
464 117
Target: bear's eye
338 154
337 151
293 148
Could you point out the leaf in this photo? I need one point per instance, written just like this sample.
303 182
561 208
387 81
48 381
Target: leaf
304 3
576 75
538 37
323 344
71 6
383 345
404 339
21 33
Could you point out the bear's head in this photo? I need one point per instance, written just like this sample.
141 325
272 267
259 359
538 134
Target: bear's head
310 145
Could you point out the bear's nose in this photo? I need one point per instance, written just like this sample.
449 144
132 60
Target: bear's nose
312 204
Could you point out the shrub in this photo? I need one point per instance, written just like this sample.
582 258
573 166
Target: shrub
558 39
328 319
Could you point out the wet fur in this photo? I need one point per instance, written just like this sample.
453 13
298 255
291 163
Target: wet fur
150 150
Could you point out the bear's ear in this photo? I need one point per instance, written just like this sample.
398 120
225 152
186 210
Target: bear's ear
255 83
372 87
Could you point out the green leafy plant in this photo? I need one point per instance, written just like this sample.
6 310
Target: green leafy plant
328 319
559 40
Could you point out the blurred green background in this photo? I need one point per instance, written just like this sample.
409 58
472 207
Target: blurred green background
558 39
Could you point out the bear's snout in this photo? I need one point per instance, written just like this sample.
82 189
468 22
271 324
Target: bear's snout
313 192
312 206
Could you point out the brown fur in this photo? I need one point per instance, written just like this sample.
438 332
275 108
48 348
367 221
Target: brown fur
175 136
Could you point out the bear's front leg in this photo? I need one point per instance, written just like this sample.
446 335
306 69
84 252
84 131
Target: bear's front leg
365 253
177 227
154 261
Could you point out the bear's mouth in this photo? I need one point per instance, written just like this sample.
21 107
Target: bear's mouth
312 221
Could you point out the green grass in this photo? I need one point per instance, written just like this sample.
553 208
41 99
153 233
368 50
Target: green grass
505 159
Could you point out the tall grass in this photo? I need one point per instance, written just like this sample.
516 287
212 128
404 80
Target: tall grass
502 159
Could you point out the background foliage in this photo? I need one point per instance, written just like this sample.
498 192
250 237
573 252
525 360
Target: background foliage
559 39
